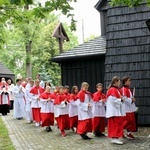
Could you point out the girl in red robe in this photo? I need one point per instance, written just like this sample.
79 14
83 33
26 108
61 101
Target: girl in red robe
73 108
115 111
61 111
129 119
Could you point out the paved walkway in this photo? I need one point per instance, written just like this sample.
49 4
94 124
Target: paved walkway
28 137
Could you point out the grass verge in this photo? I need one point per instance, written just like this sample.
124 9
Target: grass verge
5 141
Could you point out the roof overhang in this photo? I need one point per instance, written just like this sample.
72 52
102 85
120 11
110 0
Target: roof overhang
101 5
77 58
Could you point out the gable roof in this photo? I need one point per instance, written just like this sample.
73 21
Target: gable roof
93 47
101 5
60 32
5 70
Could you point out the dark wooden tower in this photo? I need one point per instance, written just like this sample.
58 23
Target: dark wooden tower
128 51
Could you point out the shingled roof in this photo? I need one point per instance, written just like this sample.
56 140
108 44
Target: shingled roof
93 47
5 70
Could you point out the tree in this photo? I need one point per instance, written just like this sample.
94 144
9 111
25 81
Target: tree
91 37
23 13
130 3
44 47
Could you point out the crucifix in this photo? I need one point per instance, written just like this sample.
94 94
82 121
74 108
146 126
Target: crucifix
60 34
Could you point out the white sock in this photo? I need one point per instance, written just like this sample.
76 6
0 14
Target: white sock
128 133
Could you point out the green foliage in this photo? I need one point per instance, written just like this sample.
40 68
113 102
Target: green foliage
23 24
130 3
92 36
44 47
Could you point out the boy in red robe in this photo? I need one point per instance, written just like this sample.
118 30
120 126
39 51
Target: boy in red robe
36 91
47 109
99 113
61 111
84 111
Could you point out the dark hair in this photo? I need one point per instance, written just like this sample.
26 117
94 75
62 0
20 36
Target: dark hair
125 79
73 89
17 80
49 84
114 79
99 84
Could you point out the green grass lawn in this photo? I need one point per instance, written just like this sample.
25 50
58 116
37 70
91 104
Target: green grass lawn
5 142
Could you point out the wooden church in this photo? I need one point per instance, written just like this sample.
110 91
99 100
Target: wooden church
127 52
6 73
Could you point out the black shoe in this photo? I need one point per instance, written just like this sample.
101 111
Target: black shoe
73 129
88 138
101 134
85 137
98 134
48 129
19 118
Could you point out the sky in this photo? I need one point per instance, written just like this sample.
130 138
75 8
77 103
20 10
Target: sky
84 10
87 16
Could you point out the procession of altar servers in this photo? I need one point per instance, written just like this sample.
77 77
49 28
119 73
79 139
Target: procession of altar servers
81 111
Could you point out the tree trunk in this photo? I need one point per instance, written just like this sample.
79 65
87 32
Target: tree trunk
28 53
28 59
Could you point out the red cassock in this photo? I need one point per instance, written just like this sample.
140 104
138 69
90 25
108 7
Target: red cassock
98 123
36 111
55 95
84 125
67 96
129 119
115 123
74 118
63 117
47 115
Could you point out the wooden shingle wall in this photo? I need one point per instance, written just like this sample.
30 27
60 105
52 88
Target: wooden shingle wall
128 52
89 70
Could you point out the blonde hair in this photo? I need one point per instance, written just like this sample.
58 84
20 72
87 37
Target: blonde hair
83 84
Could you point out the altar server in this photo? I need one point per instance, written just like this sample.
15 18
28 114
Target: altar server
73 108
115 112
36 91
19 100
99 113
61 104
129 119
84 111
47 109
28 101
10 87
